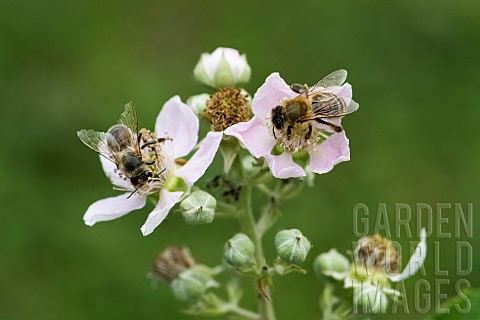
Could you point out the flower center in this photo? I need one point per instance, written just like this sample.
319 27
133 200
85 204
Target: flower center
226 107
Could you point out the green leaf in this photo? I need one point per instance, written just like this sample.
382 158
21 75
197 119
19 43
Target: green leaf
465 306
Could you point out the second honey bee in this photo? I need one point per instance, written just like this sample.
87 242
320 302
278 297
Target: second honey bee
123 145
312 104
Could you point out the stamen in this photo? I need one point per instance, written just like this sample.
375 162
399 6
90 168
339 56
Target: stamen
226 107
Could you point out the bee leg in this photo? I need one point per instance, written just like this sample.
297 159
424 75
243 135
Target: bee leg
148 143
273 131
150 163
162 140
309 133
289 132
335 127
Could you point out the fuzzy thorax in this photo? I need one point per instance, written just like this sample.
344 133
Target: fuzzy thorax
226 107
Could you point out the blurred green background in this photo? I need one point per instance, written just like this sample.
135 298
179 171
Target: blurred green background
68 65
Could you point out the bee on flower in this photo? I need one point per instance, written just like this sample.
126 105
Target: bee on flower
376 265
145 163
295 119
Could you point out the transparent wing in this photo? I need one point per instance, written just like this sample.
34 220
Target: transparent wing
129 118
331 106
96 141
336 78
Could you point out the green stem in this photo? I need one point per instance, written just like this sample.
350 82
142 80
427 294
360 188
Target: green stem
326 301
248 223
243 313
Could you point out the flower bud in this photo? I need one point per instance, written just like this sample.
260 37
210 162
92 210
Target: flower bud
292 246
239 251
224 67
332 264
198 102
198 208
191 284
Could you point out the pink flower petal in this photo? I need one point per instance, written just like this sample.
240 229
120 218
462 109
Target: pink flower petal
326 155
112 208
201 160
283 166
177 121
269 95
111 172
166 201
254 136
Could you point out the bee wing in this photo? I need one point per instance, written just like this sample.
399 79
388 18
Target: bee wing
333 108
129 118
96 141
336 78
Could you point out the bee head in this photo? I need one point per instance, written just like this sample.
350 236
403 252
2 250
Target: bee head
142 178
277 117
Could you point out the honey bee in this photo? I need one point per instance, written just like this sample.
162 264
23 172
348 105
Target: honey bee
312 104
121 145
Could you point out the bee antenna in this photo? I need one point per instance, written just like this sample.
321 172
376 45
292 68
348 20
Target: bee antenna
134 191
164 169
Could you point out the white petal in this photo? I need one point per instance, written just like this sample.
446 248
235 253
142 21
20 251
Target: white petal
112 208
254 136
416 261
111 172
283 166
166 201
201 160
177 121
235 61
269 95
326 155
212 60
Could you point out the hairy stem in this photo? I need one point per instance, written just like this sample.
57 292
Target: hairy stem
248 223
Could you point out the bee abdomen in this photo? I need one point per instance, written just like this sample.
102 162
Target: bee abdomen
118 137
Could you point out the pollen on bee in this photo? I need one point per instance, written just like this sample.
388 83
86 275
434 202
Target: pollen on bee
151 147
300 137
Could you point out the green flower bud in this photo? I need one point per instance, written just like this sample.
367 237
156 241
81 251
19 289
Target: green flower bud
332 264
292 246
198 102
191 284
224 67
198 208
239 251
